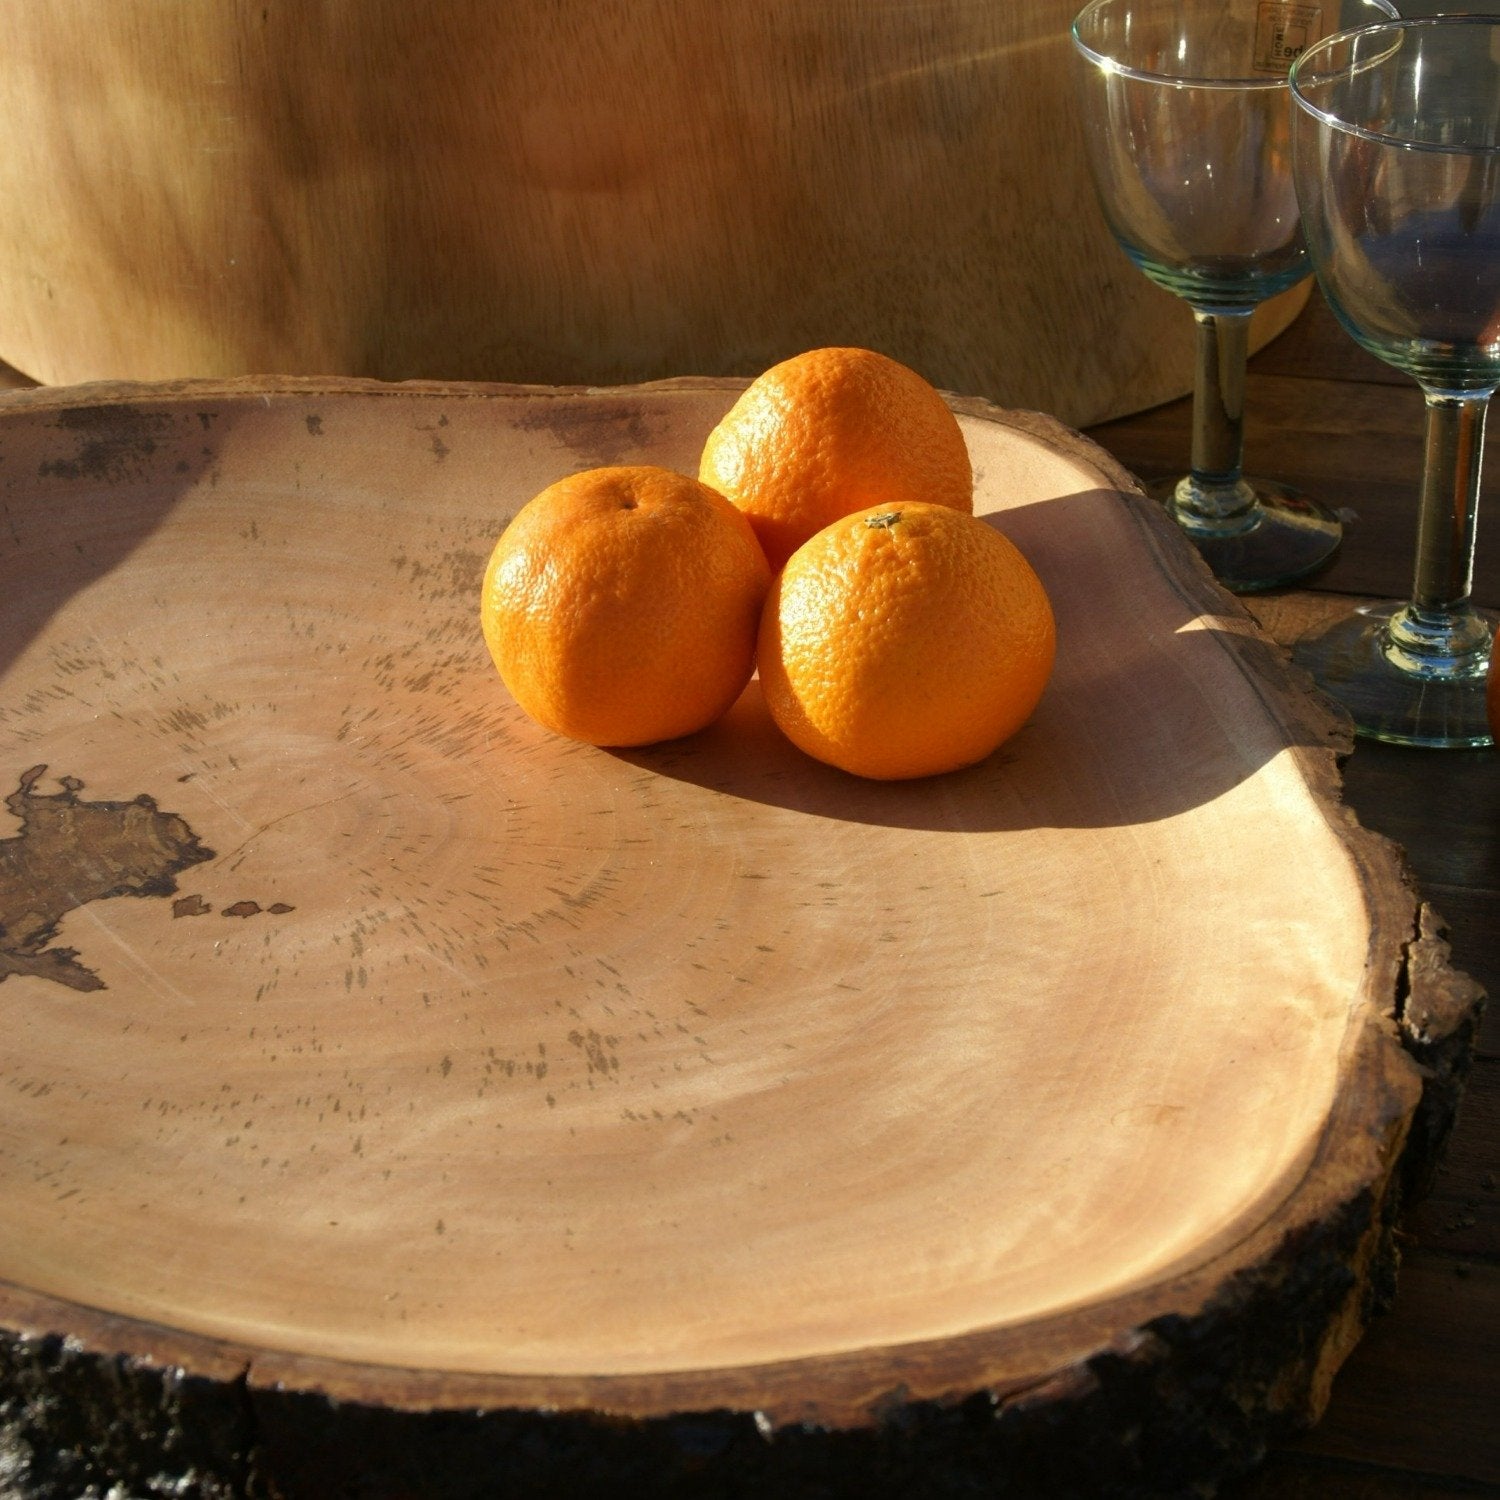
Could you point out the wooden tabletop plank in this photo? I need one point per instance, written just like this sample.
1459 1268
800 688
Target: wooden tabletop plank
1461 1215
1422 1390
1347 429
1309 1476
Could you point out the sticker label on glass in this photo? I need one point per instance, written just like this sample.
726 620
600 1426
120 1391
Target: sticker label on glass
1282 32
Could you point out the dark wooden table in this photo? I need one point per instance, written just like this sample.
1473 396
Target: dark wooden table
1416 1409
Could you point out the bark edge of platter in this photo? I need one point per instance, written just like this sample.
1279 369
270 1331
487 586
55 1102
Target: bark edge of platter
1176 1407
93 1404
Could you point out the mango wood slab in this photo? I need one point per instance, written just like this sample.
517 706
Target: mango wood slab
398 1099
567 190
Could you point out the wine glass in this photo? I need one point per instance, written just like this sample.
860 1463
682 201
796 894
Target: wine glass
1187 117
1397 152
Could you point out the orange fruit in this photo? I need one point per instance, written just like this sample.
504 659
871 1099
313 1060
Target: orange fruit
905 641
621 605
831 432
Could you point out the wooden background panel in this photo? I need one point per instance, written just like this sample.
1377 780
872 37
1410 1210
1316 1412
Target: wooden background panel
565 191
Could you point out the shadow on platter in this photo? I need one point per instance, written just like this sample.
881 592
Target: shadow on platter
81 489
1156 707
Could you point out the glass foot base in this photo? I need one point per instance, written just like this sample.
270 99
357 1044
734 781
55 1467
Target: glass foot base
1355 663
1284 536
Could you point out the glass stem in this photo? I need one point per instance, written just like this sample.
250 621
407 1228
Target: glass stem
1439 622
1215 490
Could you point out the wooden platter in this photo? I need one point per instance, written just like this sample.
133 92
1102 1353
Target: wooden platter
399 1099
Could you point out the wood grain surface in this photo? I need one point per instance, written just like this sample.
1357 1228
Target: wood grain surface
1412 1413
368 1042
589 191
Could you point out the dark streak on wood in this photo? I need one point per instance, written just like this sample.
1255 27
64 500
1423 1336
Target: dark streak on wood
255 909
69 853
114 441
599 434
